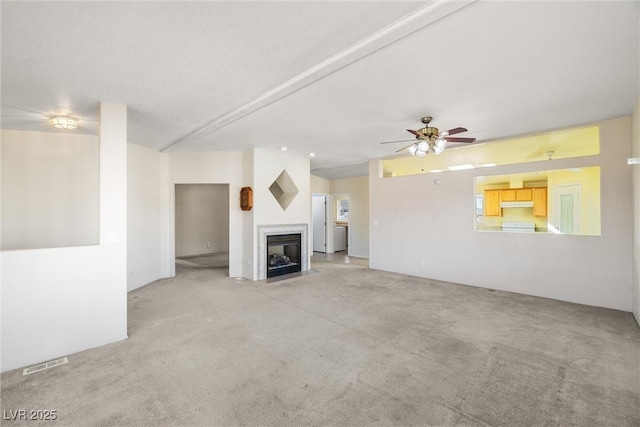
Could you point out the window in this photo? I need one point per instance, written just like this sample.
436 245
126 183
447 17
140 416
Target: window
343 210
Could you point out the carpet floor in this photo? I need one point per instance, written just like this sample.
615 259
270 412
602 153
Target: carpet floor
344 346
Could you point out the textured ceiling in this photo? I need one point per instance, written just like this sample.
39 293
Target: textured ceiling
335 78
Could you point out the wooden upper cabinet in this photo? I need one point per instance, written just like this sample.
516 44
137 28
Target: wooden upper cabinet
539 201
492 203
523 195
492 199
516 195
508 195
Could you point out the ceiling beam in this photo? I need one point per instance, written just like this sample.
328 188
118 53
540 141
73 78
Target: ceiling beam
420 18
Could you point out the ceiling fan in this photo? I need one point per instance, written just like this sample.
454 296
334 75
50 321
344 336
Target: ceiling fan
431 139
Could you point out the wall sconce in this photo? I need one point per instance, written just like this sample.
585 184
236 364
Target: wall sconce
246 198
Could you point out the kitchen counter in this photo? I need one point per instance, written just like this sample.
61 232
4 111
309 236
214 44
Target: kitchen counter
499 230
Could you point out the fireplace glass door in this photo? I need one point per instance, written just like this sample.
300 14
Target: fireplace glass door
283 254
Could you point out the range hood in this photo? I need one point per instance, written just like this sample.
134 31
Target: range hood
528 204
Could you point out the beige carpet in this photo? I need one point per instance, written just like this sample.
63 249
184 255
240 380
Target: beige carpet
345 346
217 260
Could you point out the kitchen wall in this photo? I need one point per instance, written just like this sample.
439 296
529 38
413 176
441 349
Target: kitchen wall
423 227
516 215
589 180
511 214
587 177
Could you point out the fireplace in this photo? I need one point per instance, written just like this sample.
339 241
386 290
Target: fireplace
283 254
265 231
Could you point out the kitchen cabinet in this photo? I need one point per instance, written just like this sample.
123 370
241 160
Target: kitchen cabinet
516 195
492 199
492 203
508 195
524 195
539 201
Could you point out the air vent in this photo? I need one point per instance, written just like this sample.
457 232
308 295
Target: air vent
43 366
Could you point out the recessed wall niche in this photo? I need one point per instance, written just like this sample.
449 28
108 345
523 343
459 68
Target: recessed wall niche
284 190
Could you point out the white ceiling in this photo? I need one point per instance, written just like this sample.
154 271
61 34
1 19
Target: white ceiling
335 78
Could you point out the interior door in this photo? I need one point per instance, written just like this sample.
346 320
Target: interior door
567 216
319 212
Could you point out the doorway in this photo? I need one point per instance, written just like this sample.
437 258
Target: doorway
340 222
202 226
567 216
319 213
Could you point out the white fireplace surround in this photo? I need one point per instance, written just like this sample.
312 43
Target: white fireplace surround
276 229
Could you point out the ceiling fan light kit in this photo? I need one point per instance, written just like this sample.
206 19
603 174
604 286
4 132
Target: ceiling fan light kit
431 139
64 122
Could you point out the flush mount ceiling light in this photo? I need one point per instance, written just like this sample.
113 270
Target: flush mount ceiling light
64 122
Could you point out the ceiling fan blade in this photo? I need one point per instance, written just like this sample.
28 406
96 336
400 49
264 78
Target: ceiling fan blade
404 148
393 142
460 139
415 132
455 131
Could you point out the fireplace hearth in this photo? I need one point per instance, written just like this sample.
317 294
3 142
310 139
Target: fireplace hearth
283 254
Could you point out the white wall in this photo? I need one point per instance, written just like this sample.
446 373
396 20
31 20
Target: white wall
358 190
426 230
64 300
635 132
267 166
143 216
201 168
202 219
50 190
320 185
248 233
253 168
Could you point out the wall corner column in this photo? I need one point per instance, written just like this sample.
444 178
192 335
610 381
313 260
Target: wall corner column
113 206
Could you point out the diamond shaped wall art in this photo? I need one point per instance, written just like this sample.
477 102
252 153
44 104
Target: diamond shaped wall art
284 190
